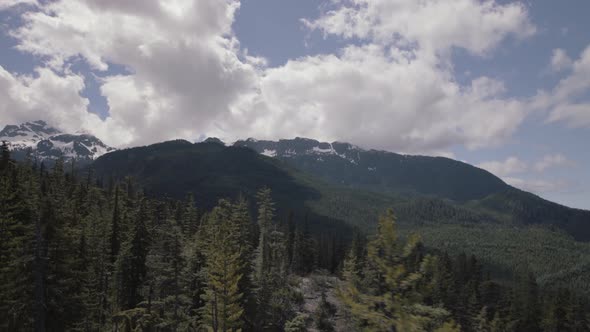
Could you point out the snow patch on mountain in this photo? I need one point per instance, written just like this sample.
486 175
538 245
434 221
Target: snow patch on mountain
298 147
45 142
269 153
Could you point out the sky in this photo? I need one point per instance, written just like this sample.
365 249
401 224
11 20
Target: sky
503 85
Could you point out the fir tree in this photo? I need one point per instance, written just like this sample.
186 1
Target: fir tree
393 303
115 238
4 156
223 309
266 214
132 262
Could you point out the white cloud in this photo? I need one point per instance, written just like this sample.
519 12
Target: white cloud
560 60
575 115
44 95
537 186
510 166
375 97
5 4
434 25
568 102
188 75
182 56
512 169
551 161
395 91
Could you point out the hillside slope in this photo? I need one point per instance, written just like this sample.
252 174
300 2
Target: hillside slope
347 165
441 179
496 228
211 172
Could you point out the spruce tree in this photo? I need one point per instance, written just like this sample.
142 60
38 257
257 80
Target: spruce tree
4 156
131 264
394 302
115 236
223 309
21 253
266 213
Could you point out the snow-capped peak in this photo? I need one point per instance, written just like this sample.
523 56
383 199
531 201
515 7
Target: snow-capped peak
46 142
297 147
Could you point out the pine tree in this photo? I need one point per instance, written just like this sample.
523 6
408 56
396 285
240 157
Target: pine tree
4 156
165 279
304 250
189 219
195 273
20 237
350 271
223 310
290 231
97 230
297 259
131 264
241 219
525 310
393 304
271 268
115 237
266 214
64 291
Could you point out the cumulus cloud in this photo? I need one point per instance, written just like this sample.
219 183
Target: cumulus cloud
568 102
537 186
551 161
510 166
431 25
5 4
376 97
395 89
187 75
514 165
560 60
184 64
43 95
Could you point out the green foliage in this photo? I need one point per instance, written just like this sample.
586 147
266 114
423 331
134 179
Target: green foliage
555 258
76 256
223 309
297 324
390 296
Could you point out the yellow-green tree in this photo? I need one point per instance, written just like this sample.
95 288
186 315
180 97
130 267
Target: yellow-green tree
390 301
223 310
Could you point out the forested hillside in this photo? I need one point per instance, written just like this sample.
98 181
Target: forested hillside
406 176
506 230
77 253
381 171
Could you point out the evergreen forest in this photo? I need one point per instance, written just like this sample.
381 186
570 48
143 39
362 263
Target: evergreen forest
78 253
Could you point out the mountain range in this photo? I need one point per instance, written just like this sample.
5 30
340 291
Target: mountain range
337 187
348 165
47 143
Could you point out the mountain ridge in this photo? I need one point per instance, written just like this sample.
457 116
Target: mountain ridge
48 143
382 171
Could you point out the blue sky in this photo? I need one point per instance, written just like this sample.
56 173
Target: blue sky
499 84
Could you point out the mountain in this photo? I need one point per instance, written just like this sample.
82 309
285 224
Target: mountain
48 143
521 229
339 181
469 187
211 171
348 165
